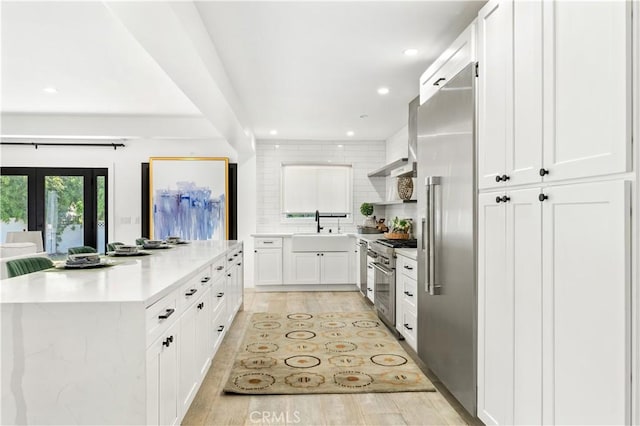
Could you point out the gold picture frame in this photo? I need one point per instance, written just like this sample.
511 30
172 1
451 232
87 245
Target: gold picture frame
188 198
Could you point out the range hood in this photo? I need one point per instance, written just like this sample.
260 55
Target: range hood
405 166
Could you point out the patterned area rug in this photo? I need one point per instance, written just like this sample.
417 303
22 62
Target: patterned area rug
346 352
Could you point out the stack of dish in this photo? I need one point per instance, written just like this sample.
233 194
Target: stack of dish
173 240
154 244
125 249
81 260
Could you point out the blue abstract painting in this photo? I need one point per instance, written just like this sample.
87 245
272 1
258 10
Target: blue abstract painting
188 198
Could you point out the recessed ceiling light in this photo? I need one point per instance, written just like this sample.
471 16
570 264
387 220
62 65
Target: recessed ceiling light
273 132
383 90
277 146
350 133
340 146
410 52
364 116
51 90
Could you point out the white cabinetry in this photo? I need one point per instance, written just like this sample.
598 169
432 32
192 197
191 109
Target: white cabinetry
407 300
268 261
553 293
537 95
320 268
453 60
162 379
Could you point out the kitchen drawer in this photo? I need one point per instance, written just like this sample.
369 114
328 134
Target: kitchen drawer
268 242
410 328
217 295
219 327
233 257
217 268
408 291
409 267
191 290
160 316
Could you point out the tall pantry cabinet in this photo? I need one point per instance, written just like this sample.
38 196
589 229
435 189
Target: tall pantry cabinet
554 152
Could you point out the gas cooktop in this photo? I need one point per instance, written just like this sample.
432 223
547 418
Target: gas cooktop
411 243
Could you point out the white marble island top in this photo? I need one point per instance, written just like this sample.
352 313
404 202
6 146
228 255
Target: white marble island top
143 279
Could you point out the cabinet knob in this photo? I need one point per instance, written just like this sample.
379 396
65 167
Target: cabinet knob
317 254
544 172
255 251
502 178
228 275
543 197
505 199
238 264
498 199
498 178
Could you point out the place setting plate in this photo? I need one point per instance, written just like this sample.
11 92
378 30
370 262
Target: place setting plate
103 263
127 254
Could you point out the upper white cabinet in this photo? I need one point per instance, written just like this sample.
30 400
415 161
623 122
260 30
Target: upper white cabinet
587 88
554 91
453 60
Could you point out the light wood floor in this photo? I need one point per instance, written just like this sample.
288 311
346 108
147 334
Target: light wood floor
212 407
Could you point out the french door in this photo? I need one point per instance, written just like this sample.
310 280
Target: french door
68 205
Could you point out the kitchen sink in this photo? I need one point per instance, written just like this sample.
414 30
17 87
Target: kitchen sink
320 242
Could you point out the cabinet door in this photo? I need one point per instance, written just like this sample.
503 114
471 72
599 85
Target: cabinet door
495 96
524 270
162 379
334 268
187 379
586 328
357 266
268 266
371 285
204 335
587 78
305 268
495 314
524 152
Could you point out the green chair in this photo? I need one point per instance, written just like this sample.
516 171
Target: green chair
81 249
141 241
27 265
112 246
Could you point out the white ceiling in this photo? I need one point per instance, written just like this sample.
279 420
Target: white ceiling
307 69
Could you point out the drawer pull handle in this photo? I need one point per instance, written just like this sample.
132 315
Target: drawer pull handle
267 242
437 83
219 268
231 259
200 305
240 252
408 267
370 289
407 327
221 328
191 292
167 313
219 294
239 264
205 279
228 275
408 294
235 255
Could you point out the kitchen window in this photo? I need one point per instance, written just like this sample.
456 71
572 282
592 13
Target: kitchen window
310 187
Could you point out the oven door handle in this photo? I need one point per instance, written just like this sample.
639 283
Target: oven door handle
387 272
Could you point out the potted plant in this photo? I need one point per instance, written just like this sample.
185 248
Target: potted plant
367 210
400 229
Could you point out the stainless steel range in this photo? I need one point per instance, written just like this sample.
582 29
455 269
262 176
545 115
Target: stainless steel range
385 277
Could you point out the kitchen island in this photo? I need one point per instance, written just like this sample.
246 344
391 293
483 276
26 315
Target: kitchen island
123 344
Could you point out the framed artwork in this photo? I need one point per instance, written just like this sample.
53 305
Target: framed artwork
188 198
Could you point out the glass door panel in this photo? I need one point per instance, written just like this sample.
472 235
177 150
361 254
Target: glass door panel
101 212
63 213
14 204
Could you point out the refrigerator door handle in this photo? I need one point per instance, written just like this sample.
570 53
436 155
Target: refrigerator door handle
432 288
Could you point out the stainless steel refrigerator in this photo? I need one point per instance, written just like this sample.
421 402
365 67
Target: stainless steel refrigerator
447 236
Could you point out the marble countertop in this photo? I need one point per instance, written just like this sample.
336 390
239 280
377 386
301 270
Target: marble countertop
132 279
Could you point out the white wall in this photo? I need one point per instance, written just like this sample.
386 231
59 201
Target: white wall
247 213
397 145
124 170
364 156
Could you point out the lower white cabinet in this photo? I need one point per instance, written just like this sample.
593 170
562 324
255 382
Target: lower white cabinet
407 300
162 379
268 266
371 282
319 268
553 305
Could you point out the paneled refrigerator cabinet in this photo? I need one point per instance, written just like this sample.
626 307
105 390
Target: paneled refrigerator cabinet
554 225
